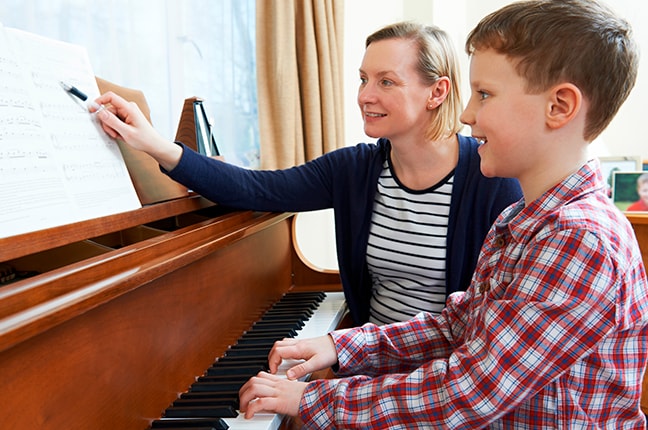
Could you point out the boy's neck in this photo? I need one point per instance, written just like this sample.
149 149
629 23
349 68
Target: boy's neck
550 172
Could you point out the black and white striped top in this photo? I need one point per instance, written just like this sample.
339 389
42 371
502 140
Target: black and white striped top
407 248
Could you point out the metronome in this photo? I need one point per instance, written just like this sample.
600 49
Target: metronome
194 128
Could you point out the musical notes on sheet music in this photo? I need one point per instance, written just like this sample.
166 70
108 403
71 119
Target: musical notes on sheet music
50 146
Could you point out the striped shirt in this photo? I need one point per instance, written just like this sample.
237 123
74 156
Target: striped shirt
551 333
406 252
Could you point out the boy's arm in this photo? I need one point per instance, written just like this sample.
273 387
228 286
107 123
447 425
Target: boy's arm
531 329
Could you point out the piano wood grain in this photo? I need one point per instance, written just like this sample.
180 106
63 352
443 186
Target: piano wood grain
109 341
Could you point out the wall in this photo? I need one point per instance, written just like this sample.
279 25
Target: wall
362 17
459 16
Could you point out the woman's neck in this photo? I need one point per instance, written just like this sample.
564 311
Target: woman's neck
420 165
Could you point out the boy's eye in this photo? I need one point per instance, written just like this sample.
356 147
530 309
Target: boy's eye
483 95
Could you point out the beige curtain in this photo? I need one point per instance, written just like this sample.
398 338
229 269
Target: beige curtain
299 78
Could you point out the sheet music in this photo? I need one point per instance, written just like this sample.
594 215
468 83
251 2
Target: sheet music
57 166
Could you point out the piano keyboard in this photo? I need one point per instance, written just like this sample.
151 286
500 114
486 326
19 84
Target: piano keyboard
212 401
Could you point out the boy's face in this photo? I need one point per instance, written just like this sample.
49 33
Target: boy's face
505 117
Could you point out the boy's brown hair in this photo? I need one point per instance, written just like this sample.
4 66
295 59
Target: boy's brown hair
578 41
436 58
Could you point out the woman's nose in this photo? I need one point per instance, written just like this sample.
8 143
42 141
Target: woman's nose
366 94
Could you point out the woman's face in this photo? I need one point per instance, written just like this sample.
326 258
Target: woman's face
392 97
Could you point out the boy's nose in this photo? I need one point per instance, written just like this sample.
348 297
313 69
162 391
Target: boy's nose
467 117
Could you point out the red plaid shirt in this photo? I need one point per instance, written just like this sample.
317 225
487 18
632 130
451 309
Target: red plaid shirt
550 334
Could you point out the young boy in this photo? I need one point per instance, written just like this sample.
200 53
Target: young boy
552 331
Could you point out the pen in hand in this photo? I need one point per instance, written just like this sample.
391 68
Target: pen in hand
96 108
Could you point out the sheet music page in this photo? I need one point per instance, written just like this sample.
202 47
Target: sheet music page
57 165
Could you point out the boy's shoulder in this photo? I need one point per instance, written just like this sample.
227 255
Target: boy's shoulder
595 217
580 204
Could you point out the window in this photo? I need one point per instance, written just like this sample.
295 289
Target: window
170 50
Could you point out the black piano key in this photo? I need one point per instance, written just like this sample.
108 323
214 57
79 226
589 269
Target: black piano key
223 378
298 313
303 295
223 361
207 401
293 300
216 370
290 311
294 316
252 342
229 396
183 427
248 352
196 423
213 395
277 325
295 306
267 334
306 299
216 385
200 412
279 334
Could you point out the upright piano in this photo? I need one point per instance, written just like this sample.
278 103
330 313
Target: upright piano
109 320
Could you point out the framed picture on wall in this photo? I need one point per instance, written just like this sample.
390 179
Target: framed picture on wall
624 163
630 190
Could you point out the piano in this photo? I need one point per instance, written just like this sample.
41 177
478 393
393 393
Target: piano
639 221
109 320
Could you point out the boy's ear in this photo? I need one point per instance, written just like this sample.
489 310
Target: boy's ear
565 102
438 93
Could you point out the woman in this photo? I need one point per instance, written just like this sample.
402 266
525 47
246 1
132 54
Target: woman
411 211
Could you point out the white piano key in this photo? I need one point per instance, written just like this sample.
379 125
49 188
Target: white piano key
325 319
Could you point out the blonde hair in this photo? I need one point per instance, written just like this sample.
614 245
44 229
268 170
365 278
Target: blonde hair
436 58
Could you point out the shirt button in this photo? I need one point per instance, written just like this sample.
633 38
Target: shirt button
484 287
499 242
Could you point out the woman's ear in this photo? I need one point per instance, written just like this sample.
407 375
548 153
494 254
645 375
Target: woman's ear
438 92
564 104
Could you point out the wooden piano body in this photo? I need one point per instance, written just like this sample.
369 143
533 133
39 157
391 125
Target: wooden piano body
129 308
640 224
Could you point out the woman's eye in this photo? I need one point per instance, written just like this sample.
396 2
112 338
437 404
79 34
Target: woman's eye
387 83
363 80
483 95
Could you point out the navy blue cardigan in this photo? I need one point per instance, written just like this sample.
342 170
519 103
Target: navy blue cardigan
346 180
